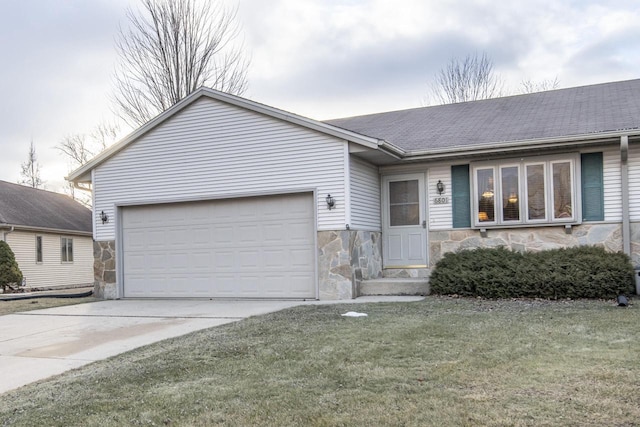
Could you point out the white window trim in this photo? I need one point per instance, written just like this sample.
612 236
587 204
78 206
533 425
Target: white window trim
522 163
61 260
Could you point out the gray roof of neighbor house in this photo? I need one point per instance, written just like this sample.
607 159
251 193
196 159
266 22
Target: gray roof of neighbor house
28 207
558 113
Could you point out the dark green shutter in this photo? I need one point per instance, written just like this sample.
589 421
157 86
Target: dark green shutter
592 187
460 196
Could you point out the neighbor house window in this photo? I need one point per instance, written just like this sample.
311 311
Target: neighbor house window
66 249
39 249
526 191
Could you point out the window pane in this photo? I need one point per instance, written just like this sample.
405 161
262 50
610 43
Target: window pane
404 205
562 206
404 215
536 199
403 191
70 250
486 200
38 248
63 249
510 194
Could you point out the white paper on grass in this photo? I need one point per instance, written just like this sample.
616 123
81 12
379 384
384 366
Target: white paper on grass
354 314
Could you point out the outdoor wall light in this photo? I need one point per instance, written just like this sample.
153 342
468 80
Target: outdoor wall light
440 187
104 217
331 202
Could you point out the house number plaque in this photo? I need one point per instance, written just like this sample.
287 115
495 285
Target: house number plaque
440 200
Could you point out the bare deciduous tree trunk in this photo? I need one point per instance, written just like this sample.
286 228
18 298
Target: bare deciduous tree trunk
170 51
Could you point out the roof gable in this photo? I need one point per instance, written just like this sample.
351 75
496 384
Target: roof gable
82 174
585 110
28 207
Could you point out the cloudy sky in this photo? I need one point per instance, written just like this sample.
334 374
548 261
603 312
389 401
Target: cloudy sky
318 58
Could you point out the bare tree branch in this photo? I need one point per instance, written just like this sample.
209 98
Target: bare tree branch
30 172
530 86
171 49
80 148
469 79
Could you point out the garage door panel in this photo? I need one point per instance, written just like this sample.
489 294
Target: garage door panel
261 247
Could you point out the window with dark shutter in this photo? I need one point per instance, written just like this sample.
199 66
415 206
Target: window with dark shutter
592 187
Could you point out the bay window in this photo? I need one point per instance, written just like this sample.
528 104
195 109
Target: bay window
524 191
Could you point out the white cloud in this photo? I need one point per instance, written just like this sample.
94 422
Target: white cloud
320 58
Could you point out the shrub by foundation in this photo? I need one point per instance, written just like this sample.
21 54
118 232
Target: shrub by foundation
578 272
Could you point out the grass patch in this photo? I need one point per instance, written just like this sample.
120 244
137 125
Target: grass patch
440 362
9 307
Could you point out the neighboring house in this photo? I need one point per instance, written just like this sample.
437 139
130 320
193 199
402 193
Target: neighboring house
50 235
221 196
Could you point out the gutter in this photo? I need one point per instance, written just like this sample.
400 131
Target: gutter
529 144
46 230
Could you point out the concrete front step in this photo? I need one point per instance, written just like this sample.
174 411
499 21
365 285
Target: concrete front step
392 286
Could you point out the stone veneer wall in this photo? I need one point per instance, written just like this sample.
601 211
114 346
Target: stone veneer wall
344 259
104 269
532 239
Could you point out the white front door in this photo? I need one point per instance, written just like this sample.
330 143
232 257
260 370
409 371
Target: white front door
405 234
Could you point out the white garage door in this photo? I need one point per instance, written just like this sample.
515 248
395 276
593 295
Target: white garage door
258 247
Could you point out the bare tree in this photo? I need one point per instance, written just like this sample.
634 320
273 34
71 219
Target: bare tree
173 48
468 79
30 174
80 148
531 86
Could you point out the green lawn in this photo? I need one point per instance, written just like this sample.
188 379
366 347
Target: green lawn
439 362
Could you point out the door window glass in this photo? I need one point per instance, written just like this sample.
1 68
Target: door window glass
404 204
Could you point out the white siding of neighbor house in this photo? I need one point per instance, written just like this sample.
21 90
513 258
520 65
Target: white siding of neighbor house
52 271
634 181
213 150
440 217
612 184
365 195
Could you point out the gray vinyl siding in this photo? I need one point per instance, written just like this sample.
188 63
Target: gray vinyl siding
612 184
52 272
365 195
439 215
214 150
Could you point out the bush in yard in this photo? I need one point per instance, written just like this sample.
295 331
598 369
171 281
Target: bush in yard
577 272
10 274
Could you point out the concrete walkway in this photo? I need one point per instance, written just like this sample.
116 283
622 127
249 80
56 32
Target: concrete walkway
38 344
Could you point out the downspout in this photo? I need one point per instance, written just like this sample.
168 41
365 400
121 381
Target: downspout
624 175
4 233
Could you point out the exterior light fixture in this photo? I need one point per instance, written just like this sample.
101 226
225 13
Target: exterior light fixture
331 202
104 217
440 187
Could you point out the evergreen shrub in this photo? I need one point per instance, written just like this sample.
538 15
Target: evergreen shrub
577 272
10 274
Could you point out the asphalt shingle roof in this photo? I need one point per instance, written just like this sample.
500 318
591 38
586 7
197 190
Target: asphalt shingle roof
564 112
29 207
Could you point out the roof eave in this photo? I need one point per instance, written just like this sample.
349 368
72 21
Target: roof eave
530 144
22 227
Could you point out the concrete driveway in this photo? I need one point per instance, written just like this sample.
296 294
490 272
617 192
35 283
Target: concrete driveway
38 344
